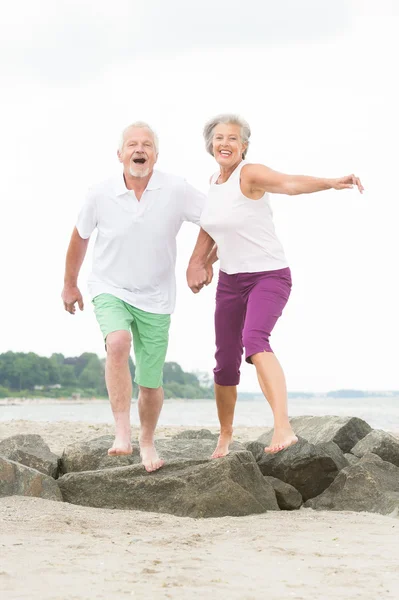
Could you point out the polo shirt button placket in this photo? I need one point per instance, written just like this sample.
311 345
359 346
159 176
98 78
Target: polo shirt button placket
141 204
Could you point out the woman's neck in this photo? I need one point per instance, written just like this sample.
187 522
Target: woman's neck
225 172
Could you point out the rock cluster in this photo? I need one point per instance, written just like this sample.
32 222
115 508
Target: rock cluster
339 463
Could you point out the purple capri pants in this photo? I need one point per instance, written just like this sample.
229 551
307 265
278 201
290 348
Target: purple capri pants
247 308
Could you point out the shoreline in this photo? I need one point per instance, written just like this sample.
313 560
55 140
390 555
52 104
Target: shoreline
243 396
44 401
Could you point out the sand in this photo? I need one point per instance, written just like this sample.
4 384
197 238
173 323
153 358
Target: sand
57 551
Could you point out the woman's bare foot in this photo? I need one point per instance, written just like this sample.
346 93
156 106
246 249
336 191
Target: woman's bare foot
150 458
281 440
120 447
224 441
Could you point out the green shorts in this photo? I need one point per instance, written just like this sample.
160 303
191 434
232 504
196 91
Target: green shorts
150 333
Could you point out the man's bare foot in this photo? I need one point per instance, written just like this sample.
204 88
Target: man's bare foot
222 448
281 440
120 447
150 458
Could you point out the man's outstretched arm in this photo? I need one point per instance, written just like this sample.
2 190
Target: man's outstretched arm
198 271
74 259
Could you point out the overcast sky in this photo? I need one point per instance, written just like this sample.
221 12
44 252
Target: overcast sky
317 81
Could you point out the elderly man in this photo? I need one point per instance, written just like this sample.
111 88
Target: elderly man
137 216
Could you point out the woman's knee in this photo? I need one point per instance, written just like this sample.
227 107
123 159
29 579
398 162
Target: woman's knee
227 374
255 343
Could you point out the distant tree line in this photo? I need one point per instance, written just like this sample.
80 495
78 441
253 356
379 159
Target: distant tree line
28 375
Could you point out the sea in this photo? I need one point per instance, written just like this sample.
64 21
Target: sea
379 412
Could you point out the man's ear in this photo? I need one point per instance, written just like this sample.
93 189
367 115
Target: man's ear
118 152
156 157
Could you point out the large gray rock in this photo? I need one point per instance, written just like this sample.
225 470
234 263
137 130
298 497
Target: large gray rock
309 468
381 443
191 448
372 485
18 480
32 451
92 455
195 434
191 488
288 498
257 449
351 458
343 431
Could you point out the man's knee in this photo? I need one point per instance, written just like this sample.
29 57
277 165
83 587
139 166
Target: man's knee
149 393
118 344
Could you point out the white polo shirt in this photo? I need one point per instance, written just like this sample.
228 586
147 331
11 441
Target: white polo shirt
134 254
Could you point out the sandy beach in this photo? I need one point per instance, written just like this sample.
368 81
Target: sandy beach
58 551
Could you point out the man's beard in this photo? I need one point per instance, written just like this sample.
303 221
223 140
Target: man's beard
134 173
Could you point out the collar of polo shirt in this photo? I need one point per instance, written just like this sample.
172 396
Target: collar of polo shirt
154 183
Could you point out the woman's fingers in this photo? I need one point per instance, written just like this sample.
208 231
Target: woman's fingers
359 185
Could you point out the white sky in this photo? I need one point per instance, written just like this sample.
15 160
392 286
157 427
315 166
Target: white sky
317 81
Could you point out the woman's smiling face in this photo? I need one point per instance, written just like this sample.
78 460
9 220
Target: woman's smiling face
227 145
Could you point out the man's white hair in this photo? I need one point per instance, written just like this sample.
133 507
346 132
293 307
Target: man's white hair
140 125
228 119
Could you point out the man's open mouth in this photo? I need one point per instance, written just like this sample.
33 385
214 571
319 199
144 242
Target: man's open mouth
139 161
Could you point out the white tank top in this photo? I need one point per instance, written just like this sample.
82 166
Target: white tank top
242 228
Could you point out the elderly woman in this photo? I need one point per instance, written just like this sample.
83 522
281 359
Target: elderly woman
254 279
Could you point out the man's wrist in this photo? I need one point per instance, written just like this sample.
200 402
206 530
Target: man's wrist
70 282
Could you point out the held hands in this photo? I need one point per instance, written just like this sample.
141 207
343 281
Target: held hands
70 295
209 271
198 276
347 182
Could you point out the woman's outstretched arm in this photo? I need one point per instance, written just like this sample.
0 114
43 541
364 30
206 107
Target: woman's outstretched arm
261 178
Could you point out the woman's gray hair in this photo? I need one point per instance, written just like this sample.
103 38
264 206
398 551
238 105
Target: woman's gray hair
139 125
227 119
